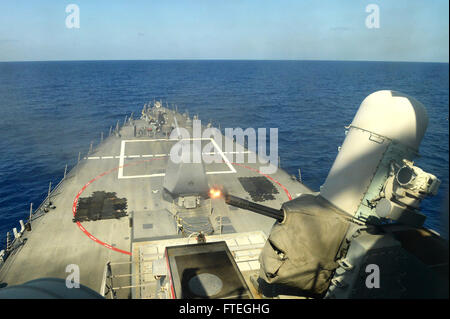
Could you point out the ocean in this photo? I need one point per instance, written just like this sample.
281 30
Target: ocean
51 111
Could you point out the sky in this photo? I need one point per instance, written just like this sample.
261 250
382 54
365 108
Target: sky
408 30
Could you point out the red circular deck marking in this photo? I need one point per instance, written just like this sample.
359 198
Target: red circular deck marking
75 202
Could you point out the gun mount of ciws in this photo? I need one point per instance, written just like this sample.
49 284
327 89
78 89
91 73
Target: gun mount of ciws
373 179
277 214
367 212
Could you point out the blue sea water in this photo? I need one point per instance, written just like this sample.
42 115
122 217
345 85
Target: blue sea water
50 111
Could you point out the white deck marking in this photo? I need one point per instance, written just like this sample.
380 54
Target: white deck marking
151 140
142 176
234 152
155 155
122 157
223 156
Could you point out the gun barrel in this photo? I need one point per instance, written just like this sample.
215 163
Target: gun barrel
278 214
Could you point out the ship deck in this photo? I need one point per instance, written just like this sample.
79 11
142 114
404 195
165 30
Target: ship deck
128 168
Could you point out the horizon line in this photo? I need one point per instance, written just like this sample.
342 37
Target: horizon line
223 59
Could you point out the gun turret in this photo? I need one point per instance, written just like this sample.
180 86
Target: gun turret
278 214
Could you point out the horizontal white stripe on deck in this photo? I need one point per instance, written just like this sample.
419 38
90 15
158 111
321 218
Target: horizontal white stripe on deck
163 174
154 155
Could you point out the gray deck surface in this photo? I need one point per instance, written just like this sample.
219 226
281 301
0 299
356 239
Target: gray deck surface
56 241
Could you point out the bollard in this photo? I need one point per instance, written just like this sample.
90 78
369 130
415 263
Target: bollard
22 227
17 235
